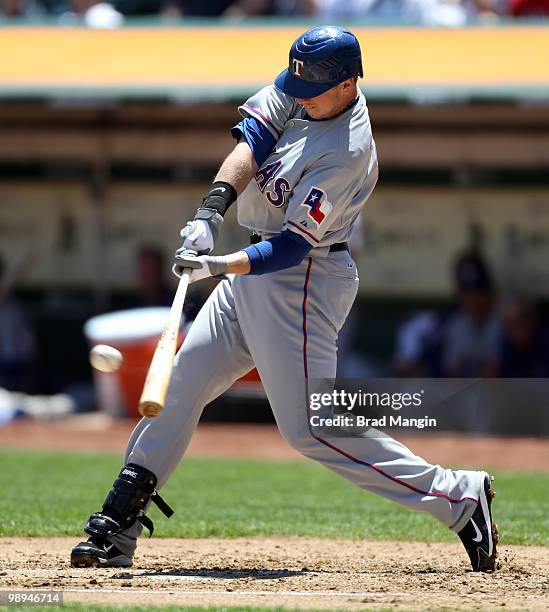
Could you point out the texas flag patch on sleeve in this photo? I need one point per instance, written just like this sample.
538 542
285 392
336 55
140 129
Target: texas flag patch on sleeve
317 204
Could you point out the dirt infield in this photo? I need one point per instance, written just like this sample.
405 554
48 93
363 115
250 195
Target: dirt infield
100 433
296 573
291 572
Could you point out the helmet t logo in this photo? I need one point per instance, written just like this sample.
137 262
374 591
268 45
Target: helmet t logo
298 65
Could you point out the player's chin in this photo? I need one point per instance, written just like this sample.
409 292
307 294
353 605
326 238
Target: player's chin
312 111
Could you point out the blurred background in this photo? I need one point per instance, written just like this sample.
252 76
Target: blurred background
115 116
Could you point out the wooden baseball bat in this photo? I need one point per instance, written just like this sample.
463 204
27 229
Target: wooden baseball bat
160 371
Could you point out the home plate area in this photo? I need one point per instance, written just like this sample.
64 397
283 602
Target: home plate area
284 572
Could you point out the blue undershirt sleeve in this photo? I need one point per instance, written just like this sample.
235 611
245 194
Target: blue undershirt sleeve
278 253
258 137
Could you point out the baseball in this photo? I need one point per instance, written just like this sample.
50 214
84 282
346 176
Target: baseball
105 358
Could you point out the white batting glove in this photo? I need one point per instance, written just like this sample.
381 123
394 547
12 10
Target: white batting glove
199 266
197 236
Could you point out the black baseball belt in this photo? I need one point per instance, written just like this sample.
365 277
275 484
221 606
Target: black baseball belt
338 246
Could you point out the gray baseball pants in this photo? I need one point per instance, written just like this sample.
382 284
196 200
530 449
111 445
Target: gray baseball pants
286 324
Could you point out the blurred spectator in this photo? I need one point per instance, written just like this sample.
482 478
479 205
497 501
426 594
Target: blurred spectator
218 8
250 8
446 13
529 8
332 9
152 269
419 345
433 12
239 8
93 14
154 288
471 335
484 8
461 340
12 8
20 8
295 7
196 8
524 349
16 340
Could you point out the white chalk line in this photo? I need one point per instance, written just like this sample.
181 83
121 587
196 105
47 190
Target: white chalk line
240 593
190 578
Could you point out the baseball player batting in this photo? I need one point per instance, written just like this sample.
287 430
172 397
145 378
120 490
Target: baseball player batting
303 167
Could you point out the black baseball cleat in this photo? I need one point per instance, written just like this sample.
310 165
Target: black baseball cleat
480 534
95 553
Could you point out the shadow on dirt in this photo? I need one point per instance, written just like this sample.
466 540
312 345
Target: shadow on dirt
217 573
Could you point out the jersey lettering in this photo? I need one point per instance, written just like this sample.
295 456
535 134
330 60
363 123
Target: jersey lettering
306 182
277 196
266 174
318 205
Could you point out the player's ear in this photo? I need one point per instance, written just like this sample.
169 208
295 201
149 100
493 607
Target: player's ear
347 84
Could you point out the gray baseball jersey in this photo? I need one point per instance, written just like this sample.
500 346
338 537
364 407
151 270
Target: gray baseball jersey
286 323
319 175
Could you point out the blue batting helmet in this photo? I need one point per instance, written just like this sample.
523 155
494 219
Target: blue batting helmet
320 58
